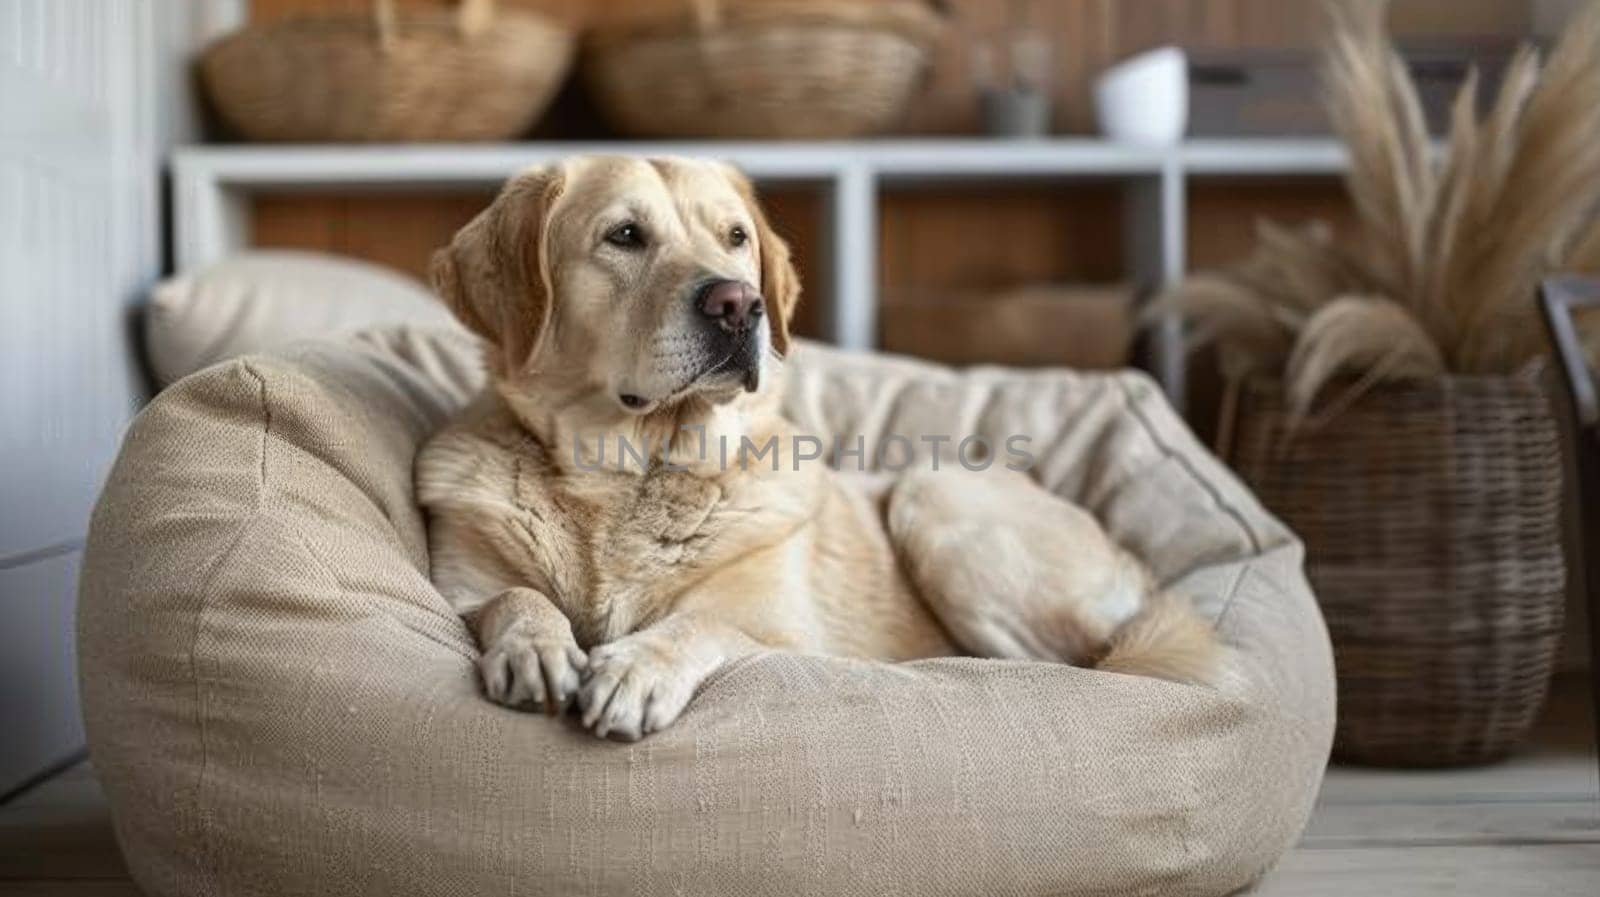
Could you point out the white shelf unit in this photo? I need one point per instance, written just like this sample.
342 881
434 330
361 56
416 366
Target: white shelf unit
213 185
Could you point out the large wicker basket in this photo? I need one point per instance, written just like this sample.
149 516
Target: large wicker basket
477 74
1431 516
785 70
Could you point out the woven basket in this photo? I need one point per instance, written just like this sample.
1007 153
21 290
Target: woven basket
1431 516
478 74
774 70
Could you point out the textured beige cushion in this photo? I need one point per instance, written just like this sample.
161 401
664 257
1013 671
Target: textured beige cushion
264 298
279 702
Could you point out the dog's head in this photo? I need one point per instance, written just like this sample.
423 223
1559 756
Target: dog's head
646 281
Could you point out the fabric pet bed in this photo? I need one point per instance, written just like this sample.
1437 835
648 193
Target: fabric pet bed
278 702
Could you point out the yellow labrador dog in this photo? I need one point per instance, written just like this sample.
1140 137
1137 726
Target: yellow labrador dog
629 303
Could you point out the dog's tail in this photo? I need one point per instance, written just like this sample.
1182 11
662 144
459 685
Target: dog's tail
1168 639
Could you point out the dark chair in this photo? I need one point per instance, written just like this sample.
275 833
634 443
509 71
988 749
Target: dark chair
1559 296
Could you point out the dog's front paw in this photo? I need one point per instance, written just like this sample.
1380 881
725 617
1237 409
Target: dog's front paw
532 666
634 686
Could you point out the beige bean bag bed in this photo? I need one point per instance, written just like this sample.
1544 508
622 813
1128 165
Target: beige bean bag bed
279 703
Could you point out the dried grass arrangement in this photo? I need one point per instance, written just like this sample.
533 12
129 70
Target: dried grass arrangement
1428 490
1439 275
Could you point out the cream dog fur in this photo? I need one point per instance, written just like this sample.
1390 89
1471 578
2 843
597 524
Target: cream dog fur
649 300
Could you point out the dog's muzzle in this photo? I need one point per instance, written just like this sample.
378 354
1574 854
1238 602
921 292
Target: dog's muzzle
734 311
732 305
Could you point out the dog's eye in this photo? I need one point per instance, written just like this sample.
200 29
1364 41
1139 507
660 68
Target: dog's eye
627 236
737 236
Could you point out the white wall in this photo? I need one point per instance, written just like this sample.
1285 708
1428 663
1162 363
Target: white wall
91 96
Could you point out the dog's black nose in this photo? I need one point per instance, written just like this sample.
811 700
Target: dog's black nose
732 303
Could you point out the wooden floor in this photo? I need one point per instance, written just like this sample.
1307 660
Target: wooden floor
1530 826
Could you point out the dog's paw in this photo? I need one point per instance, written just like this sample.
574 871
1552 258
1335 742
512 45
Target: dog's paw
635 686
528 667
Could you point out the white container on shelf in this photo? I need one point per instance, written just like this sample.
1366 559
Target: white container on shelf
1145 99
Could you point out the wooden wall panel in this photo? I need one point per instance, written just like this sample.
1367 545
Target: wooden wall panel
399 230
1087 36
997 236
1223 212
970 239
402 230
1091 34
796 214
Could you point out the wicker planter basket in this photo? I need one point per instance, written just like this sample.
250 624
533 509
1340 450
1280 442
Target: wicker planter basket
1431 516
477 74
801 70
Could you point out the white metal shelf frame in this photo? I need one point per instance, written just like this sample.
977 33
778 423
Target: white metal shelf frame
213 185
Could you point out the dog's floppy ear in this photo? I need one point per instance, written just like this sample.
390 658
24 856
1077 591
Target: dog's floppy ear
495 274
780 283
